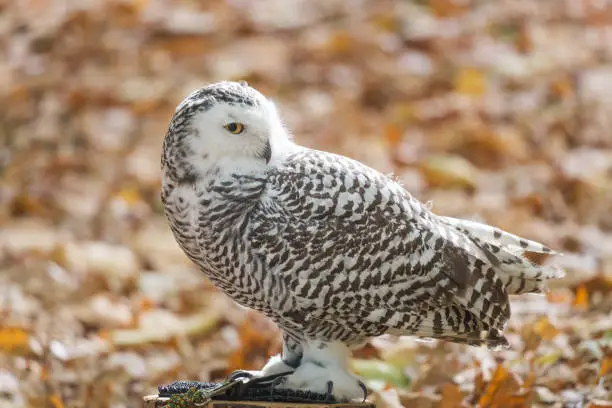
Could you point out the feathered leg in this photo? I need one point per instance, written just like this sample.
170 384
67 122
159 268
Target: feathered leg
324 369
286 362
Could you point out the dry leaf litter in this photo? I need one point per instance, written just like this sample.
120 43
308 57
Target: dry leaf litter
499 111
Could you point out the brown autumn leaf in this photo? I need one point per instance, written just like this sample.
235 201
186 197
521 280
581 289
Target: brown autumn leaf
470 81
129 196
402 114
448 171
543 328
452 397
418 400
490 146
340 42
183 46
596 14
502 391
448 8
126 14
368 351
386 22
598 284
480 384
562 88
606 366
523 41
581 299
137 5
26 204
56 401
393 136
13 338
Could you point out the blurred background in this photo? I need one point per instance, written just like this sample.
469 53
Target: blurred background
495 110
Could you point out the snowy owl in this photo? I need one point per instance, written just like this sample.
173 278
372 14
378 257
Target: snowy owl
331 250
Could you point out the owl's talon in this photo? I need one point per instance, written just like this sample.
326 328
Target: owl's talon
330 389
272 378
277 381
280 379
364 389
240 374
261 382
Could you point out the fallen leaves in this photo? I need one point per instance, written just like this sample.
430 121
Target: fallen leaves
451 396
498 111
470 82
13 338
162 326
606 366
56 401
449 8
581 300
545 329
562 88
448 171
339 43
502 391
256 345
393 136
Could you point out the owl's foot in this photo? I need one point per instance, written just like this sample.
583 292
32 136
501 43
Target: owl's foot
331 380
274 367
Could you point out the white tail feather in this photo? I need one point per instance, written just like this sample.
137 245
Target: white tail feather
504 251
487 233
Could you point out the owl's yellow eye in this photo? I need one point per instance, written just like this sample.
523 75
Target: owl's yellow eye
235 128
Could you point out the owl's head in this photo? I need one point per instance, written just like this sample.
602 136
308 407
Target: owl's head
222 124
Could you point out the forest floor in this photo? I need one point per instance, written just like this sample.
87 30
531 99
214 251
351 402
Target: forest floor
499 111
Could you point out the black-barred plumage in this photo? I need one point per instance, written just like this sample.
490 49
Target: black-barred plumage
330 249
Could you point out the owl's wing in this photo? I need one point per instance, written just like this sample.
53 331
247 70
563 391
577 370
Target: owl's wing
341 241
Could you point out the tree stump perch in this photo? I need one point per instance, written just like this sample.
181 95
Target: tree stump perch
154 401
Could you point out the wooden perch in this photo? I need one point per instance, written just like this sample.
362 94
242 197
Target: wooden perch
153 401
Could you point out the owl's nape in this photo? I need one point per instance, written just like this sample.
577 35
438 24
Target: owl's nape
334 252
